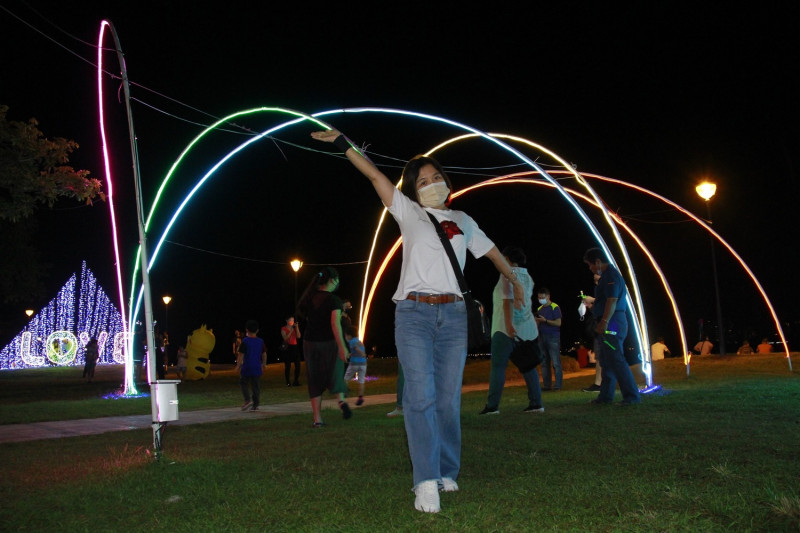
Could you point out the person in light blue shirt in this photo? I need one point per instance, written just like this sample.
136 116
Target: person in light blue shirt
509 323
358 361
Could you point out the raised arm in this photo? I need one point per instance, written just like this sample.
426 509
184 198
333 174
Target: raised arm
383 186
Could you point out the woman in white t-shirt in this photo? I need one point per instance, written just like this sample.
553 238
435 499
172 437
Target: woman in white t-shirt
430 314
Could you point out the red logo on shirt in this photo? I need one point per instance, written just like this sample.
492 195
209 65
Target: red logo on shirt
450 228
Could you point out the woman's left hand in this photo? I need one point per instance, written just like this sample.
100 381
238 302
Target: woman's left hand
326 136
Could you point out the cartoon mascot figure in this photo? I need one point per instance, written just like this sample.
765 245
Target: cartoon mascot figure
198 347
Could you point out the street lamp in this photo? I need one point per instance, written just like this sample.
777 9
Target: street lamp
166 300
296 264
706 191
29 312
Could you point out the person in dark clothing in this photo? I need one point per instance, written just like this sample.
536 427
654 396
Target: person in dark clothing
92 355
323 345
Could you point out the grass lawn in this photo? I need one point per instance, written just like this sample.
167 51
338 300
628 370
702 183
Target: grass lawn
717 451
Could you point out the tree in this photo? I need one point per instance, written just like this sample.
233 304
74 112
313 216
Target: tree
34 173
34 170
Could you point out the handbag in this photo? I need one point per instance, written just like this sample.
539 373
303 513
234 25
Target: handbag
526 355
632 356
478 330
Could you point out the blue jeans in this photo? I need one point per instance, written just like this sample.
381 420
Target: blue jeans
401 382
614 367
502 345
431 345
551 354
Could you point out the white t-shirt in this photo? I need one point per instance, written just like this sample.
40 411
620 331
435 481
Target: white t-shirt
521 319
426 266
657 351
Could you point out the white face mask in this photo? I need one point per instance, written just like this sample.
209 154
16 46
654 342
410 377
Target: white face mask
542 301
433 195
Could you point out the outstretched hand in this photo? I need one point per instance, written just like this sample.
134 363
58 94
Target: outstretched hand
327 136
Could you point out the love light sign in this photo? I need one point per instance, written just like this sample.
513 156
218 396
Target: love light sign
59 332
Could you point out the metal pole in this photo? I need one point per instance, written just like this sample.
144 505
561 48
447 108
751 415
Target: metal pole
148 302
720 325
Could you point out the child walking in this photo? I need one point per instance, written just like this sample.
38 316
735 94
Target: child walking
250 361
358 361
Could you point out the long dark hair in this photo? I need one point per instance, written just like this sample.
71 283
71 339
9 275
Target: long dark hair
321 278
411 173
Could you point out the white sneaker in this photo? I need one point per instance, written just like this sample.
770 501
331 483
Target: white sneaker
427 497
449 484
398 411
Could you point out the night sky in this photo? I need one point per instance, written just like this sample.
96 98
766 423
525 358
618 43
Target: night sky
661 97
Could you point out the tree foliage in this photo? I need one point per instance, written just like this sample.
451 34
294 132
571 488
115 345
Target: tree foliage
34 170
34 173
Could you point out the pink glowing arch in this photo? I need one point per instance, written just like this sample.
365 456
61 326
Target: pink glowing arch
130 385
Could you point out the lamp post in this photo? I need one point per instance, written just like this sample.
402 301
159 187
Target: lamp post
296 264
706 191
166 300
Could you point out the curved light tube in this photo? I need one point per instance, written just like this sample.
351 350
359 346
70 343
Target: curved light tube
129 386
301 117
708 228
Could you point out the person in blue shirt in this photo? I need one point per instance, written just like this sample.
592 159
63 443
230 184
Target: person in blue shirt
358 361
548 318
250 362
608 307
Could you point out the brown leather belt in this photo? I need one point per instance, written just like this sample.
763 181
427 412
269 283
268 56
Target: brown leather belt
434 299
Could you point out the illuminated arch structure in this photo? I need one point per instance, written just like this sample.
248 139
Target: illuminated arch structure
613 222
300 117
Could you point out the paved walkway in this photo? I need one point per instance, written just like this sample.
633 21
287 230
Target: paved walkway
92 426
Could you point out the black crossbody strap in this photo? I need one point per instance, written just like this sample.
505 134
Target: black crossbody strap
462 283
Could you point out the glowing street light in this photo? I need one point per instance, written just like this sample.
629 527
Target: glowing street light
29 312
166 300
296 264
706 191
